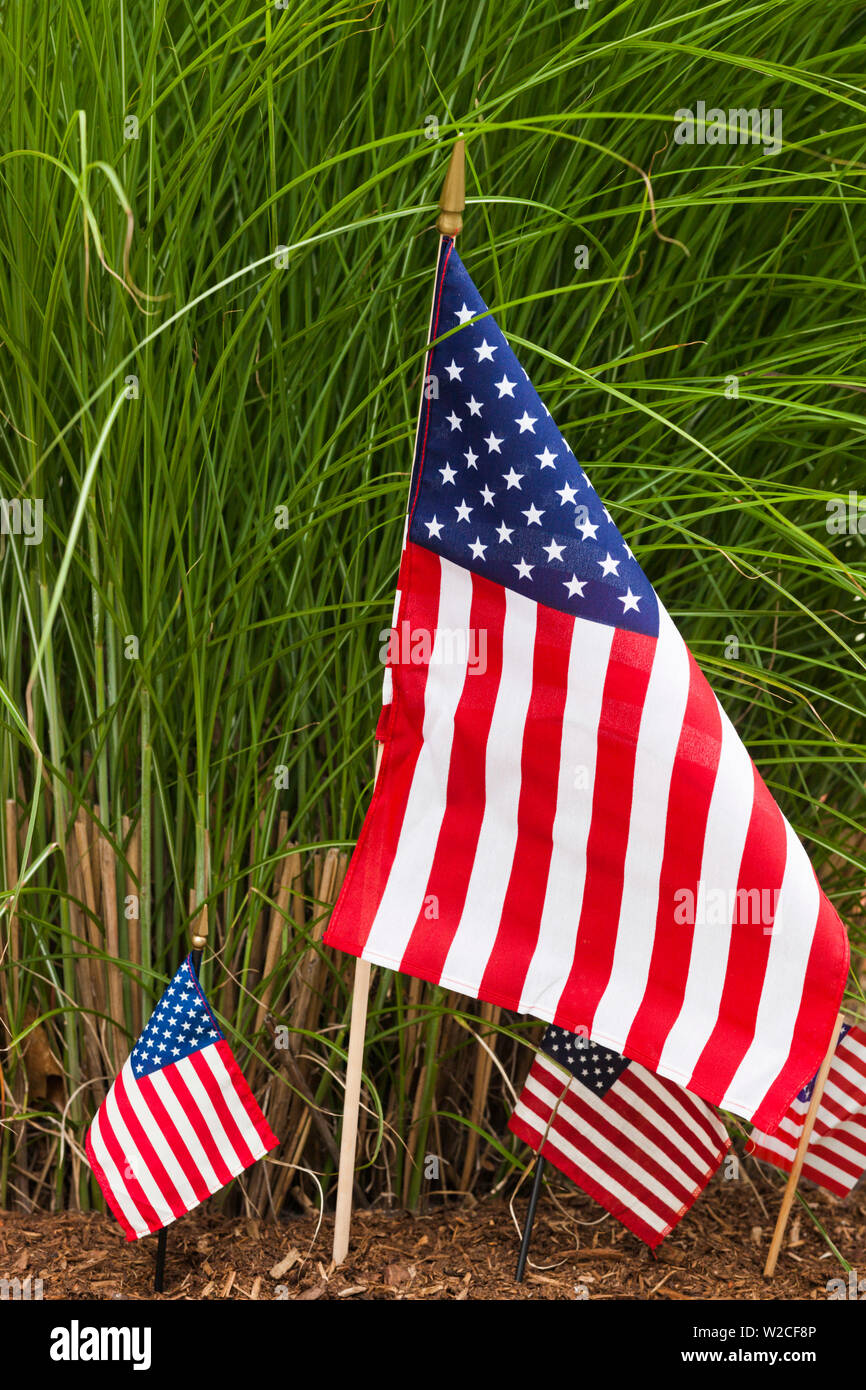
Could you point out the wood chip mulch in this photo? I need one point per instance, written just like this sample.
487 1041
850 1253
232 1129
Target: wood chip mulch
465 1251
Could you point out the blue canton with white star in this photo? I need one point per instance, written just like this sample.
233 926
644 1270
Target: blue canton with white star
181 1024
500 491
596 1067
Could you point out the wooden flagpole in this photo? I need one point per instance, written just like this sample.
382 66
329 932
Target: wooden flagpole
799 1158
452 201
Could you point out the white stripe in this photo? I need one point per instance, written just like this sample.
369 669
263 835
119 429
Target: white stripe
233 1102
587 669
835 1092
160 1143
475 936
388 679
119 1189
839 1141
819 1164
186 1131
790 937
209 1114
659 735
404 892
134 1157
724 840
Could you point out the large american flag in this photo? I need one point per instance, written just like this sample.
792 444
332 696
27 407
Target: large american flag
559 786
836 1153
180 1121
641 1146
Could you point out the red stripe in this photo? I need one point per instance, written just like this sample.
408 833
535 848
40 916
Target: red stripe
762 868
840 1185
517 937
229 1124
371 863
625 687
672 1131
691 790
246 1097
133 1187
151 1158
180 1153
448 883
200 1126
105 1183
107 1190
816 1018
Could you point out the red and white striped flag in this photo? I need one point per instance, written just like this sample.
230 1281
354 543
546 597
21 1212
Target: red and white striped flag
565 821
180 1121
836 1154
641 1146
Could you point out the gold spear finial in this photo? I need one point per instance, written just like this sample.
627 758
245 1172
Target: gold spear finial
452 200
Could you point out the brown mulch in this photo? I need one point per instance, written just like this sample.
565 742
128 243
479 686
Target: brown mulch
462 1252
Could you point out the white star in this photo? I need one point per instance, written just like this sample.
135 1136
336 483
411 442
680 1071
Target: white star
471 459
553 551
575 586
477 548
567 494
464 314
433 528
474 406
546 459
526 422
448 473
609 565
505 387
524 571
533 516
463 512
454 421
485 351
505 533
488 496
512 478
607 514
493 443
455 373
630 602
629 552
586 528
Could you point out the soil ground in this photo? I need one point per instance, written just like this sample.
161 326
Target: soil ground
461 1252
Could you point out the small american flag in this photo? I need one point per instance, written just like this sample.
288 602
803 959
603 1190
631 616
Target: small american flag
641 1146
565 821
836 1155
180 1121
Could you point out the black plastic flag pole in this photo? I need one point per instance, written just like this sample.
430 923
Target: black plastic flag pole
199 941
540 1165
